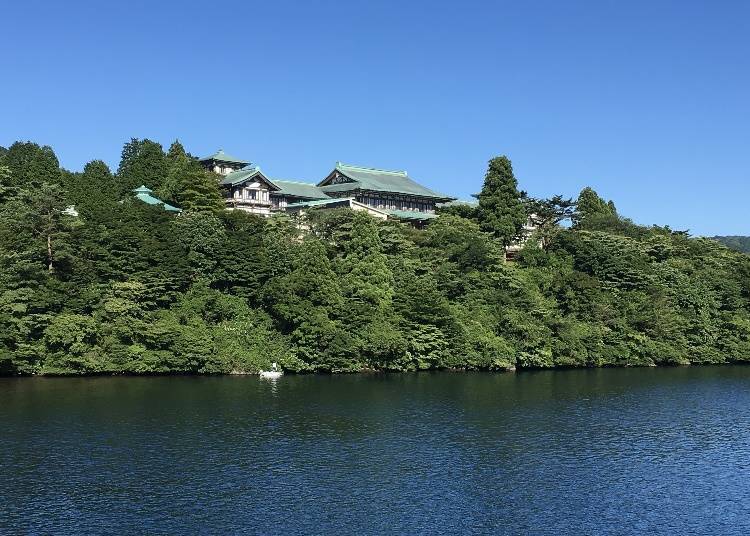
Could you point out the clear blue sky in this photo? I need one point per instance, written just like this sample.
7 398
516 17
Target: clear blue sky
646 101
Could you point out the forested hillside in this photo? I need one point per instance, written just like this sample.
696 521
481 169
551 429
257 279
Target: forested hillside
125 287
738 243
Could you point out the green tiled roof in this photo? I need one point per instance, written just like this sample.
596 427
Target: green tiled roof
410 215
221 156
143 193
380 180
320 202
242 175
299 189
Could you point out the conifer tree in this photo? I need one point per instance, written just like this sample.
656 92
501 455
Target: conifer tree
142 162
35 219
547 214
188 185
198 191
592 209
93 191
501 209
367 281
31 165
176 150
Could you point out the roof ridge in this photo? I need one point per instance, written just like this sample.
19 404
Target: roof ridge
363 168
227 157
246 169
294 182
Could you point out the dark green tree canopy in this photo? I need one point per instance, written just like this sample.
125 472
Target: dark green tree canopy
189 186
176 150
142 162
592 209
31 164
501 210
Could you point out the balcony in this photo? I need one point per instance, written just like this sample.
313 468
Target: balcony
237 201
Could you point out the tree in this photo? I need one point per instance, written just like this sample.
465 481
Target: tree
142 162
366 280
6 190
592 209
463 209
129 288
30 164
189 186
547 214
501 210
93 191
36 216
176 151
738 243
202 235
199 192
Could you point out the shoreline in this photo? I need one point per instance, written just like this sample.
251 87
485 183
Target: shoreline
369 372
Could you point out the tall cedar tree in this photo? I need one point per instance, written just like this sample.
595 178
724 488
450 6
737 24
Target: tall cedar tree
31 165
592 209
93 191
188 185
142 162
501 209
175 150
198 191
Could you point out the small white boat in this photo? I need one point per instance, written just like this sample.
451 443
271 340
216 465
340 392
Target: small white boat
272 374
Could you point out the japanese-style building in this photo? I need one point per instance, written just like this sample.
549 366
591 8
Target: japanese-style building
382 193
144 194
222 163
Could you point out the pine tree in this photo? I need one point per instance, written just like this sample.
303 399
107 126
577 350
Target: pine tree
501 209
547 214
45 218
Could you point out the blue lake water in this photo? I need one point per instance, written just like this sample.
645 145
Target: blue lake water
626 451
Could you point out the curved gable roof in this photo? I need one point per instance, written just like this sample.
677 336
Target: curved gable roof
244 175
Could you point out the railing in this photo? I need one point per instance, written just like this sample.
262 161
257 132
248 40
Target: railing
248 201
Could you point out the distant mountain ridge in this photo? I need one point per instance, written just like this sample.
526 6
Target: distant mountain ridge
738 243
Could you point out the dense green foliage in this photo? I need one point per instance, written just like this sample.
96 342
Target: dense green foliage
737 243
501 211
129 288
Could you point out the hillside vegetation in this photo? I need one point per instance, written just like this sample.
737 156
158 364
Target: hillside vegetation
737 243
129 288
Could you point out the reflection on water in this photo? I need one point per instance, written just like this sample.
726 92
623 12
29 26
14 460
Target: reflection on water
567 452
271 382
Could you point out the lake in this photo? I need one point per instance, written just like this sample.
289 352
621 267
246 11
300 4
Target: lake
613 451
